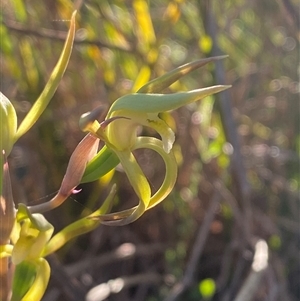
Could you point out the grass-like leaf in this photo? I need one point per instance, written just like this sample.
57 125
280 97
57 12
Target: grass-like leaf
42 102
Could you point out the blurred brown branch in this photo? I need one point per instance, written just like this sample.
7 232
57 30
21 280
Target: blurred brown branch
294 13
51 34
237 164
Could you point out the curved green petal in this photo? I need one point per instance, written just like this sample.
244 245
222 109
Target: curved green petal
141 187
40 282
171 168
156 103
127 216
135 176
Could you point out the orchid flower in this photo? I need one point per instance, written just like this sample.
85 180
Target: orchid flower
119 132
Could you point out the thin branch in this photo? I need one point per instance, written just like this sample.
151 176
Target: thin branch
238 168
123 252
293 12
59 36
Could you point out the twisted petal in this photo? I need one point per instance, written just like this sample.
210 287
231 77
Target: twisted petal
127 216
40 283
171 168
31 280
141 186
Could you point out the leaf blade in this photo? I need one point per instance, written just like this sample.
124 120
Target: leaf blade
43 100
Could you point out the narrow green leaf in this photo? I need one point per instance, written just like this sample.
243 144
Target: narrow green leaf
158 84
51 86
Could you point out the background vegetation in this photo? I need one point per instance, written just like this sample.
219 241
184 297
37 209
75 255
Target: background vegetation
199 243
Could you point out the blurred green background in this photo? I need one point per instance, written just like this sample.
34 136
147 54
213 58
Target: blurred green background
227 198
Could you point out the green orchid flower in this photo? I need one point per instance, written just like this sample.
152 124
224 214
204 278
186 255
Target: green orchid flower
31 241
119 132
